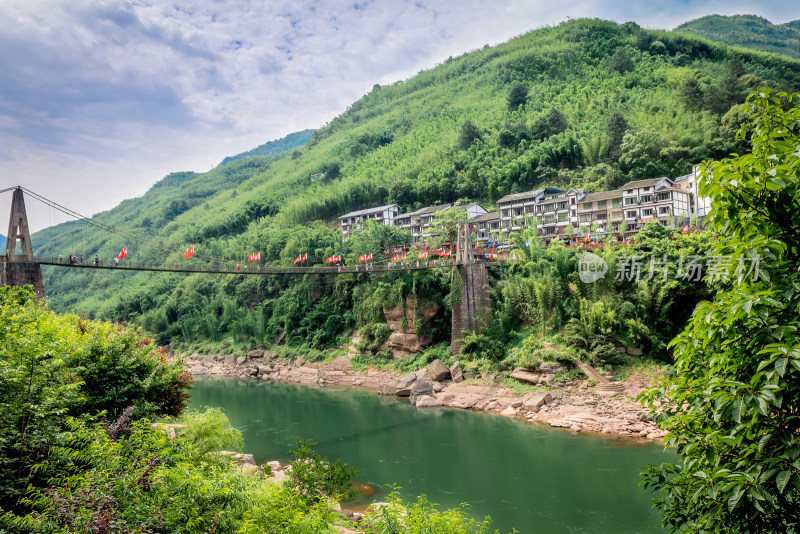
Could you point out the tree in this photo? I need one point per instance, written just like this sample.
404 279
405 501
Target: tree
640 152
468 135
620 62
731 410
517 97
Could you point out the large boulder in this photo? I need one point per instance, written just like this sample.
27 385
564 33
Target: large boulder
420 388
241 360
438 371
523 375
198 370
456 373
230 360
426 401
407 381
537 401
257 353
388 389
551 368
405 342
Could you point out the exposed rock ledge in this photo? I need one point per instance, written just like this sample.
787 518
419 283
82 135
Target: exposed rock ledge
576 405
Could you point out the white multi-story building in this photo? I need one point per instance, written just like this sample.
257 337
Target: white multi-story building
354 219
690 183
655 199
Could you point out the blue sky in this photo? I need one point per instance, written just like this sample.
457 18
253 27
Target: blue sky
100 99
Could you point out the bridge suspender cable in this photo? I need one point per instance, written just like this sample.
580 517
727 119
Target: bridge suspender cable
106 228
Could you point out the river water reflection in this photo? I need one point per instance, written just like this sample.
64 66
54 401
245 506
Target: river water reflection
529 477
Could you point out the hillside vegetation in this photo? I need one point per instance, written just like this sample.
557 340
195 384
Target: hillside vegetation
587 103
750 31
272 148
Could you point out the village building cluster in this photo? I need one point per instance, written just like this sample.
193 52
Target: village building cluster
569 215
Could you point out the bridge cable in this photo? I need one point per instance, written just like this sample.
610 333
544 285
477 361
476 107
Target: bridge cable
104 227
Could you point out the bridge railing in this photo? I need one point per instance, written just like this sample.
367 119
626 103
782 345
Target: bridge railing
249 269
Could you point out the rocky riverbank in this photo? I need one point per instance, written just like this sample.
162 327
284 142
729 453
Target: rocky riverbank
577 405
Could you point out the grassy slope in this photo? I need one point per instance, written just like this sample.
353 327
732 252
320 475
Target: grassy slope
749 31
237 209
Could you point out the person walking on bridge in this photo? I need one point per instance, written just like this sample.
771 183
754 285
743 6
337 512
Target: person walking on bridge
60 258
96 260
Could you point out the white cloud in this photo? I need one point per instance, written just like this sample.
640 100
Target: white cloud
100 99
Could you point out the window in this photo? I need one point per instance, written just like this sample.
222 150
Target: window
647 212
631 200
663 210
563 217
601 204
549 219
646 198
562 205
586 218
587 205
539 208
646 189
616 214
630 214
549 207
664 196
504 213
517 212
616 203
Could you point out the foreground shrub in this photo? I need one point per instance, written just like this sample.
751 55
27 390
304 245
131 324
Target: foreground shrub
422 517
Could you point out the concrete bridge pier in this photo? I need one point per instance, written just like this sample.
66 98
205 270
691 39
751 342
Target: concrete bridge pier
19 269
471 305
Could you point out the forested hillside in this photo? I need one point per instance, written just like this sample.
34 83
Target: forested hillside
587 103
750 31
272 148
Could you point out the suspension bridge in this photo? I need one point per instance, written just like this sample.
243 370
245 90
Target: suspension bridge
19 266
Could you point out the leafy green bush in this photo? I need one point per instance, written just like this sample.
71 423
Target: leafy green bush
317 479
209 432
58 365
480 346
373 336
422 517
146 482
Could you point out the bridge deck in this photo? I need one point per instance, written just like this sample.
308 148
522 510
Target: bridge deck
126 265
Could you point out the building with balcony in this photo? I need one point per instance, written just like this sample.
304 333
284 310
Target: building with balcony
600 213
655 199
354 219
487 228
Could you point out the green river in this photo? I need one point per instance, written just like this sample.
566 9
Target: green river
529 477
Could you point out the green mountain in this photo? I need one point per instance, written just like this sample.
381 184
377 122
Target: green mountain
272 148
749 31
588 103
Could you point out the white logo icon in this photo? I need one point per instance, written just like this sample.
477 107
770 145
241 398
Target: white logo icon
591 267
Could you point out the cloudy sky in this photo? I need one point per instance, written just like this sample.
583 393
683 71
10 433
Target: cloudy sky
100 99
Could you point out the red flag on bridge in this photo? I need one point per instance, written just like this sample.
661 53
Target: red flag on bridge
362 258
123 253
369 257
305 257
254 257
422 255
189 252
299 259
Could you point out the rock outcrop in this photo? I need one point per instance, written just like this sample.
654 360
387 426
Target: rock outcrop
404 340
